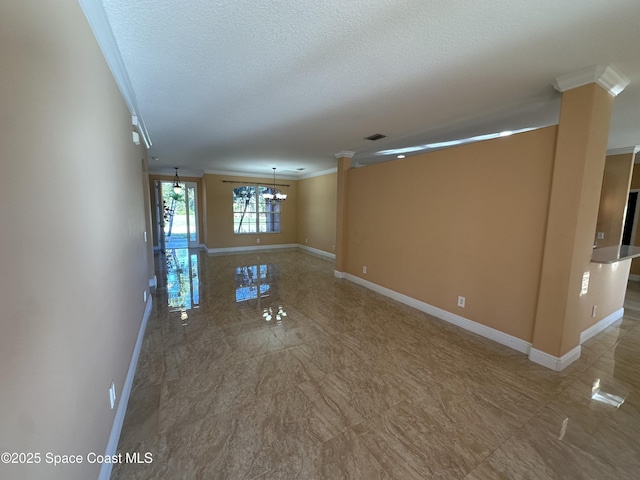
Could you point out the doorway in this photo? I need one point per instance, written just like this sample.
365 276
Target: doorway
630 219
177 215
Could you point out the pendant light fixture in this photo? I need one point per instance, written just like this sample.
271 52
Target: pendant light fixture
176 183
273 195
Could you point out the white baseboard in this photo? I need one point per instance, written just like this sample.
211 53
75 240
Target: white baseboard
593 330
554 363
475 327
252 248
317 251
634 277
112 445
537 356
153 282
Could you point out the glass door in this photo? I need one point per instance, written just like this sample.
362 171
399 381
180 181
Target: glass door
180 215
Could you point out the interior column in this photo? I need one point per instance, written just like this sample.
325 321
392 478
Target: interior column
583 130
344 164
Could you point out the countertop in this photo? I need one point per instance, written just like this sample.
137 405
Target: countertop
614 254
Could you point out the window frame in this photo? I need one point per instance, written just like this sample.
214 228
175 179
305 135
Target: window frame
261 214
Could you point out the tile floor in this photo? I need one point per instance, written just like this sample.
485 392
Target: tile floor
350 384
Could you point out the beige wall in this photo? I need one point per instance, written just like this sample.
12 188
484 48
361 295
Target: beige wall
200 203
74 264
613 198
219 213
466 221
148 217
607 289
316 212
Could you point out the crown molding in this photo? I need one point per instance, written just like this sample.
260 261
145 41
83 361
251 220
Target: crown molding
345 154
248 174
99 23
172 171
319 174
605 76
624 150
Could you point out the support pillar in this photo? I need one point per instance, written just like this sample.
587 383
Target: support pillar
344 164
581 147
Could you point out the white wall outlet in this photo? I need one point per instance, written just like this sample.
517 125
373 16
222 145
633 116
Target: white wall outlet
306 240
334 247
258 240
600 235
594 310
461 302
112 395
364 269
145 237
144 296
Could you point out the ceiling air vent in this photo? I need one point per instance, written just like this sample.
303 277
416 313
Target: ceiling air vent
375 136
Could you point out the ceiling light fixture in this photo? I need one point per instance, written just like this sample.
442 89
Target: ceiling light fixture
176 183
273 195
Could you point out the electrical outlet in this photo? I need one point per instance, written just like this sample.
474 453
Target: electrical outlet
258 240
594 310
364 269
144 296
112 395
145 237
306 240
461 302
600 235
334 247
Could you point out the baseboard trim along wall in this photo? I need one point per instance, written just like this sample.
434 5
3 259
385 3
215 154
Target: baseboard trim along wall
593 330
252 248
522 346
112 445
475 327
317 251
554 363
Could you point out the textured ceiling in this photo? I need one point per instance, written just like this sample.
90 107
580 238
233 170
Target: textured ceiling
244 86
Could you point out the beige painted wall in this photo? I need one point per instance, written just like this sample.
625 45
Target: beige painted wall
148 217
200 203
607 289
613 198
74 264
316 212
467 221
219 213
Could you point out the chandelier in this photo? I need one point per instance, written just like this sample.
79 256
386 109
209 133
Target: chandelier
176 183
273 195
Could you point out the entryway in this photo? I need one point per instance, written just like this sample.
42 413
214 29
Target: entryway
177 215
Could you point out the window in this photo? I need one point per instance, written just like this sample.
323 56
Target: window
252 214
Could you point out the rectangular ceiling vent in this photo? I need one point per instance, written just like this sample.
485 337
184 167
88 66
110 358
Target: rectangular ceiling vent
375 136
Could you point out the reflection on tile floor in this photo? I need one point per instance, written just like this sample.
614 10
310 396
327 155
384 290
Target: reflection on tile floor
350 384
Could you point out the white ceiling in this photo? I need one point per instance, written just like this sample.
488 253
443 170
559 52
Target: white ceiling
244 86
